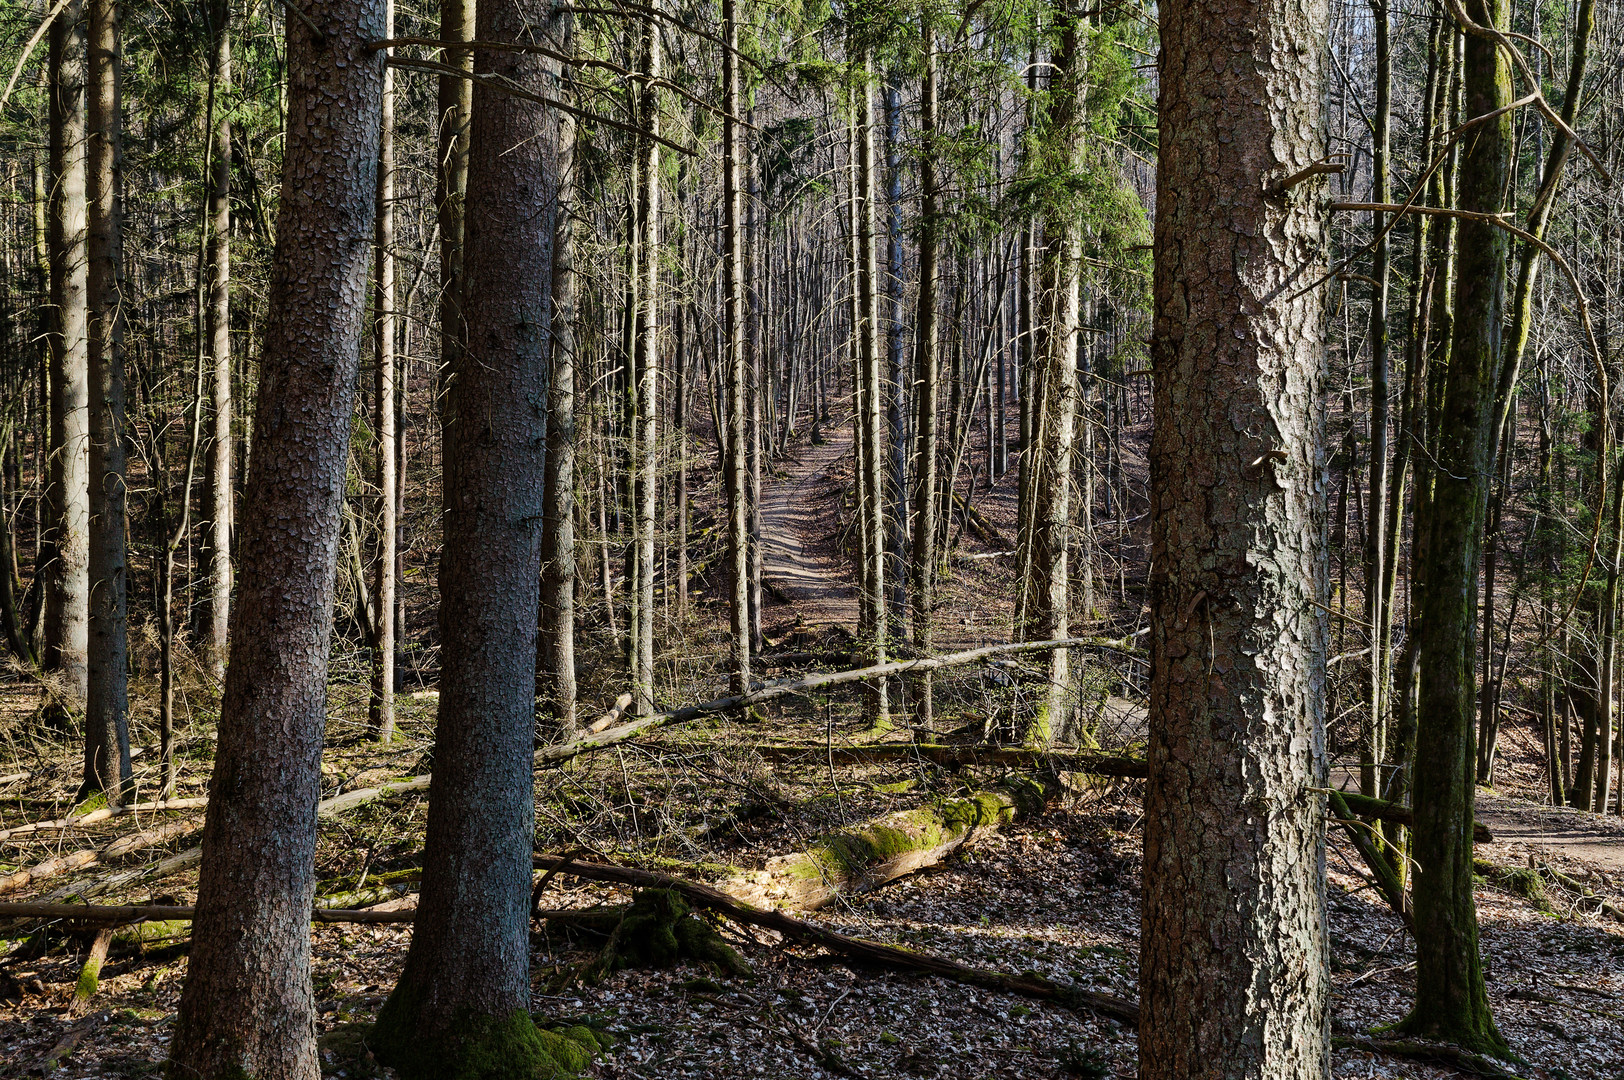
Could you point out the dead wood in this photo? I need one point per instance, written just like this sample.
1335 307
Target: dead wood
90 974
104 814
136 913
112 852
1394 814
1079 761
863 952
70 1039
1433 1053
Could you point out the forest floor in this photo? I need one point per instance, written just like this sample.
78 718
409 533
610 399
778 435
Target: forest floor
1057 894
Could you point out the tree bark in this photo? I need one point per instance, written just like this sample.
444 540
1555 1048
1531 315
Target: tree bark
1233 967
107 706
1451 1001
871 482
219 335
381 705
927 371
734 357
465 990
247 1007
645 435
67 498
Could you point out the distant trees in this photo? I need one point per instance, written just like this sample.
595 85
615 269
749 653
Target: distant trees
1234 978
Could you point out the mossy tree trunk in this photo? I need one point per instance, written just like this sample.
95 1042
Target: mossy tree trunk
1451 1001
1233 970
462 1001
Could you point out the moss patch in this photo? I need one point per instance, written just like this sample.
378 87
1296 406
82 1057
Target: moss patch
659 930
477 1047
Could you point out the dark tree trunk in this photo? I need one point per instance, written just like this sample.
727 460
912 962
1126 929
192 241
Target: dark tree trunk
1451 1001
1233 971
247 1008
465 991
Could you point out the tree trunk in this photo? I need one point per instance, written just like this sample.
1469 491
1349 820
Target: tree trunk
1374 747
381 706
67 589
646 364
926 373
871 484
735 359
1233 972
895 377
1451 1001
465 992
557 637
107 732
247 1007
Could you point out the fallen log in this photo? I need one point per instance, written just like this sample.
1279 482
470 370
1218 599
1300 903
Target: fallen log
1394 814
71 1038
1432 1053
111 852
137 913
863 858
104 814
1028 985
1080 761
985 531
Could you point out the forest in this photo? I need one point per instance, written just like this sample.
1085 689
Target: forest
668 538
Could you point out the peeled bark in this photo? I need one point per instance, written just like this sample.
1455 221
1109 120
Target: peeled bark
248 1007
465 990
1233 968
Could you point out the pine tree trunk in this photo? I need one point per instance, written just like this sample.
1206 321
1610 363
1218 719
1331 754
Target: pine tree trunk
927 371
248 1008
1451 1001
67 590
734 359
219 335
557 637
1233 972
107 732
381 704
465 991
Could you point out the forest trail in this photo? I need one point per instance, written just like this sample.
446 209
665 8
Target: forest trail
806 568
1596 841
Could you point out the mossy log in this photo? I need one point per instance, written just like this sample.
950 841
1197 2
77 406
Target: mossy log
1093 764
1394 814
862 859
1030 985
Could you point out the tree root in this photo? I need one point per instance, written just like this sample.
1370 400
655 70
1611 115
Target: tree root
1434 1053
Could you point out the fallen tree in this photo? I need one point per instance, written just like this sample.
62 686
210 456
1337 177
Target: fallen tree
1078 761
863 858
112 852
127 914
104 814
872 953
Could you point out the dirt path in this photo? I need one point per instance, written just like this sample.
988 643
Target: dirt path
803 565
1536 828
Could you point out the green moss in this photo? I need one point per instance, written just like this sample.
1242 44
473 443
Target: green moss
1522 881
476 1047
89 979
659 930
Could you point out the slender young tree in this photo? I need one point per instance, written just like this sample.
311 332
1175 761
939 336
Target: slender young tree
735 359
871 481
557 638
381 708
66 554
219 337
248 1008
107 732
1233 948
1451 1001
927 370
646 364
462 1004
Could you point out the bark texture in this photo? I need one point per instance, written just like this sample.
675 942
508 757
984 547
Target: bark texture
1233 963
466 987
219 338
247 1008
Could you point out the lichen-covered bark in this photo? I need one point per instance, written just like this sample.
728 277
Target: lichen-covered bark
1233 950
247 1005
1451 1001
468 967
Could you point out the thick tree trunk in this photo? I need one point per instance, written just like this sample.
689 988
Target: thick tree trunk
219 336
1451 1001
67 492
1233 969
247 1008
381 706
107 732
465 992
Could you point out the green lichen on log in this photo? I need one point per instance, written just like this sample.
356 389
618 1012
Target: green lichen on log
1522 881
660 930
477 1047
